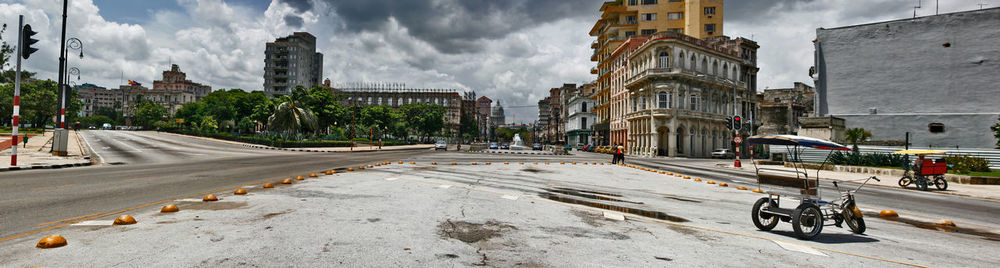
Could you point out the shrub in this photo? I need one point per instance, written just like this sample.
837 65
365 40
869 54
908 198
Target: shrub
867 159
963 164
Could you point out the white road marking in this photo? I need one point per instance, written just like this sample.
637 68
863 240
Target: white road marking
511 197
99 157
124 144
799 248
614 216
391 179
189 200
445 186
94 223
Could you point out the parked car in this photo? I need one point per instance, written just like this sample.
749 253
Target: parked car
536 146
441 145
722 153
494 146
505 146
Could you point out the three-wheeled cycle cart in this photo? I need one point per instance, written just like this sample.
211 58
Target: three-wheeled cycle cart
925 171
809 217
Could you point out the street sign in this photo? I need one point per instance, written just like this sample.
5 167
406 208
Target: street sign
737 139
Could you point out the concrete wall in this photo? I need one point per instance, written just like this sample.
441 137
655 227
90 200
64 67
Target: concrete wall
934 69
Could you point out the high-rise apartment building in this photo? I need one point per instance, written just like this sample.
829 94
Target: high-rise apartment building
292 61
621 20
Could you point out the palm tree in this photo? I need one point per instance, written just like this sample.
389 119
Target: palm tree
856 135
291 118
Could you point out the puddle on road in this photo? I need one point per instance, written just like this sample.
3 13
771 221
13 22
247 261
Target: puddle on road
934 226
535 170
116 163
636 211
473 232
590 191
682 199
586 195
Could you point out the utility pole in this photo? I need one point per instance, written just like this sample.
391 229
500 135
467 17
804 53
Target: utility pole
60 135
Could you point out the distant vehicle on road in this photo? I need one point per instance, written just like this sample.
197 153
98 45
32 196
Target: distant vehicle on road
505 146
536 146
106 126
494 146
441 145
722 153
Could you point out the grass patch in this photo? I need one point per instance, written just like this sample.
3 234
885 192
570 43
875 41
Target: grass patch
992 173
22 130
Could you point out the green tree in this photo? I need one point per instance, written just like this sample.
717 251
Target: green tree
96 121
324 104
292 118
38 102
424 118
468 126
857 135
5 50
378 116
148 113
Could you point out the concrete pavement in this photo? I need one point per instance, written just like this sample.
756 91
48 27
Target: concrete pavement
37 153
493 215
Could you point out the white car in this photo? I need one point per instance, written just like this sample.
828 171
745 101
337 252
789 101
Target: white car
441 145
722 153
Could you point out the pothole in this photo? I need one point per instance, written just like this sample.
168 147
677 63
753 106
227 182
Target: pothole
473 232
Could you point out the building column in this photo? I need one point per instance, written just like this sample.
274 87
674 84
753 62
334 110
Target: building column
672 140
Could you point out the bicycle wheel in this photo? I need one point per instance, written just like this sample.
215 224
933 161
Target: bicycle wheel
941 183
904 181
855 222
763 221
807 221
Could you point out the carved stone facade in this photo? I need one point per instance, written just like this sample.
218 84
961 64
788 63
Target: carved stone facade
450 99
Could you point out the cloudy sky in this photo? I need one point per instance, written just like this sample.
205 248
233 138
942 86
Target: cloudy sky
509 50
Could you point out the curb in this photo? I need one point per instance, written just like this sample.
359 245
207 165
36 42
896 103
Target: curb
55 166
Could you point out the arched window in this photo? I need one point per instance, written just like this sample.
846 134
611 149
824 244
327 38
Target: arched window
663 100
664 60
725 71
680 60
715 67
704 66
694 63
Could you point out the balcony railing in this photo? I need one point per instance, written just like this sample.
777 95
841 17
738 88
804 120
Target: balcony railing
680 73
691 40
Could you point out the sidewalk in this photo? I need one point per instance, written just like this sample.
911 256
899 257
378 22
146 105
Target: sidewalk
36 154
969 190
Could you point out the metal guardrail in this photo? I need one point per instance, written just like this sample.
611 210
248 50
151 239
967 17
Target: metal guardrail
815 155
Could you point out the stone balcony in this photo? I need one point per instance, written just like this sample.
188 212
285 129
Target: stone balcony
675 73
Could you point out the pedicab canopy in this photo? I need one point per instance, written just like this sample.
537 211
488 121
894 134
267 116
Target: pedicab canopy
920 152
793 140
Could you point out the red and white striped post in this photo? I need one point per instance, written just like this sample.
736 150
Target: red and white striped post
16 118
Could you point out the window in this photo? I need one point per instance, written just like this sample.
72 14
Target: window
710 11
663 100
629 34
694 63
583 123
680 60
649 16
935 127
648 31
630 20
634 105
675 15
643 102
633 2
710 27
648 2
704 66
664 61
725 71
583 107
715 68
694 102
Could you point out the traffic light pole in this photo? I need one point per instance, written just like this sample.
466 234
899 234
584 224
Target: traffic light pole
16 118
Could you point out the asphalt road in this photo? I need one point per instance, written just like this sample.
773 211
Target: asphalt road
954 208
151 167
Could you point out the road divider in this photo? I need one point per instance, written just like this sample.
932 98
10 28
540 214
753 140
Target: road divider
240 191
210 198
169 209
286 181
330 172
124 220
313 175
268 185
723 184
299 178
51 241
888 214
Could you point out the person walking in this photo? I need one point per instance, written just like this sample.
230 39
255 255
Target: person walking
621 154
614 154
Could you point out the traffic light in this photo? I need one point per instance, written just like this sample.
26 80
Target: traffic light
27 41
737 122
729 122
